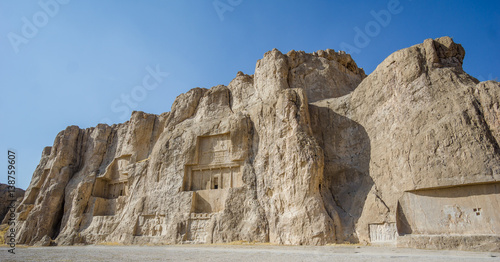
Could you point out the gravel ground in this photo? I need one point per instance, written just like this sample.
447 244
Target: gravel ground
252 253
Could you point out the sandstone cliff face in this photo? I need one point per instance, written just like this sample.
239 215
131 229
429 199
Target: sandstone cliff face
308 150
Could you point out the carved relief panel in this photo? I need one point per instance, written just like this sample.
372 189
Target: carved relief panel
213 174
214 168
214 149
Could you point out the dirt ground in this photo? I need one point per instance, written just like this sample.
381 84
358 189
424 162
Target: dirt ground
220 253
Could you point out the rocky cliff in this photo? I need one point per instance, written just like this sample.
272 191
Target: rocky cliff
308 150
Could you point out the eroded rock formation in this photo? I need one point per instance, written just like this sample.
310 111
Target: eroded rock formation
308 150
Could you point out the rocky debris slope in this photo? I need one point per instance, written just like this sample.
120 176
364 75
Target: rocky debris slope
308 150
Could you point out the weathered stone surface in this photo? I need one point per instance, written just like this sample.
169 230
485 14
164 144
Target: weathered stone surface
418 121
308 150
436 211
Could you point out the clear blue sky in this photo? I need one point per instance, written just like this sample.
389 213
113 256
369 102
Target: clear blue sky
77 60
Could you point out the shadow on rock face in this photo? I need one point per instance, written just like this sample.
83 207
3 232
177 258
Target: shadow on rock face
347 182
